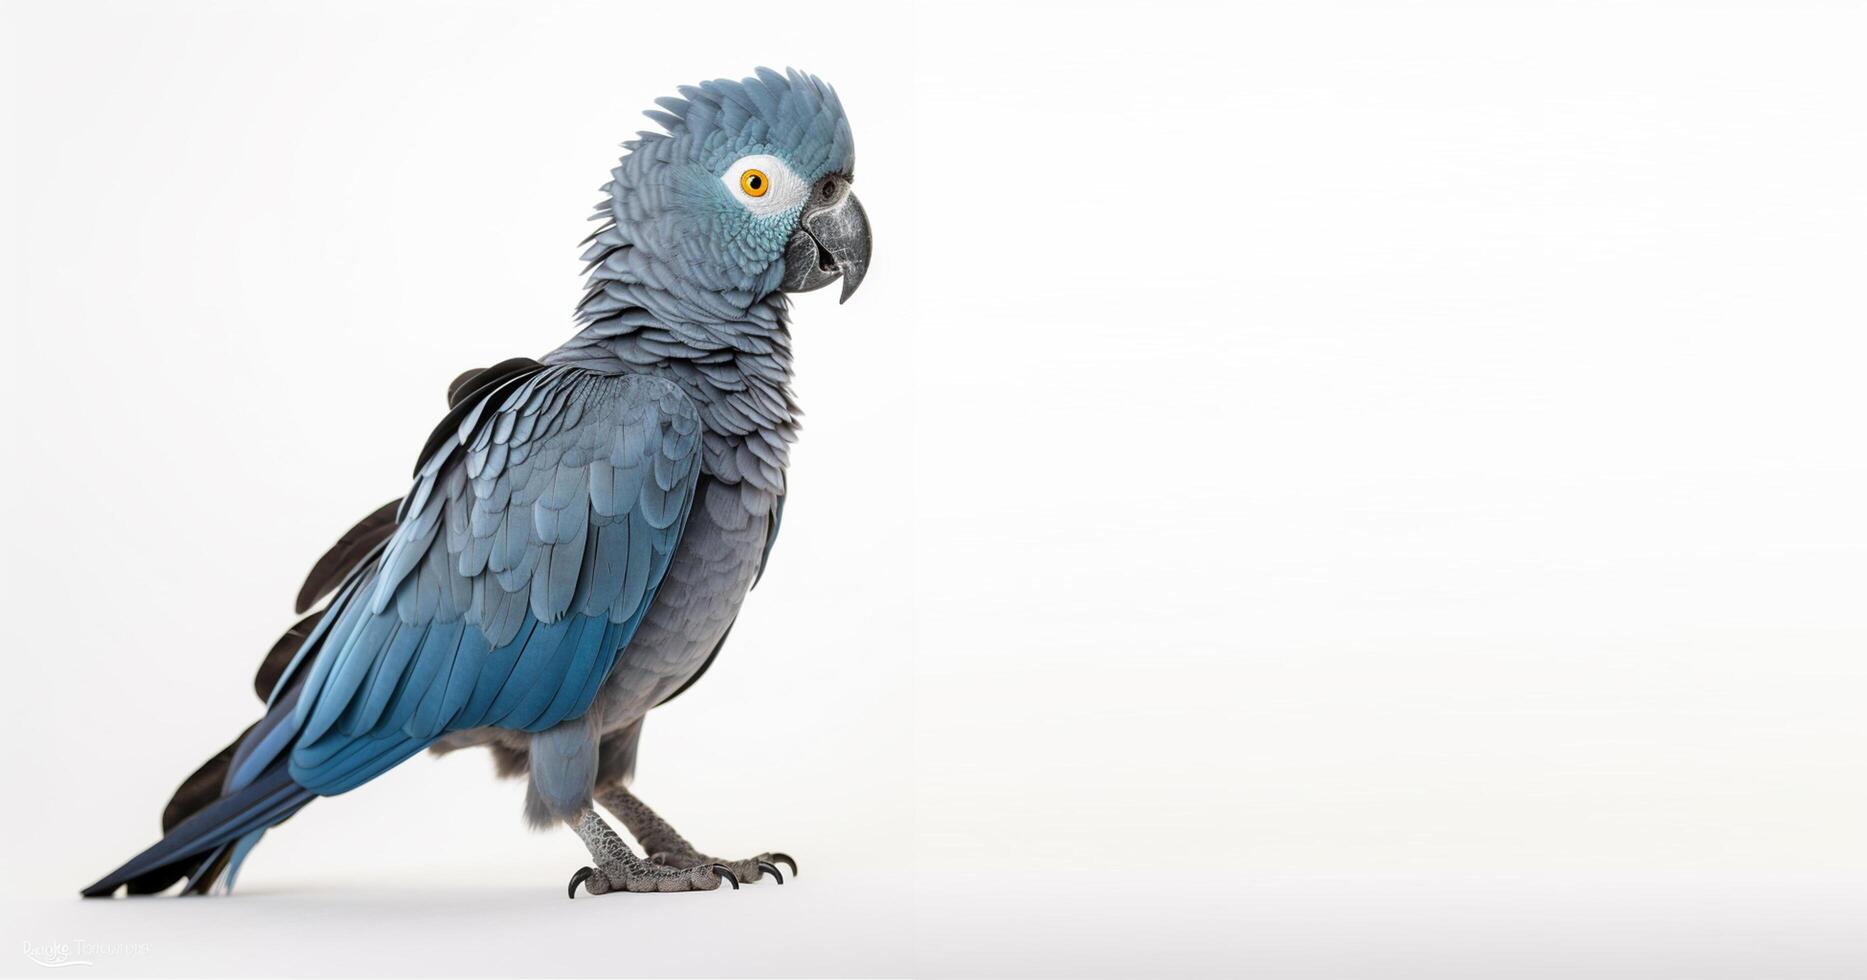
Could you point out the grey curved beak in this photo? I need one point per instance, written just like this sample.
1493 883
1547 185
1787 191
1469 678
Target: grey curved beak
831 242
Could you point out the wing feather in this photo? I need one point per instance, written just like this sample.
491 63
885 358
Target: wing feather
521 563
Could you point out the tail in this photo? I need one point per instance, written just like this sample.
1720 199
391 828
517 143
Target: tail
220 812
211 842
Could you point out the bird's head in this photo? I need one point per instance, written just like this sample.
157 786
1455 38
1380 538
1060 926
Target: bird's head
746 194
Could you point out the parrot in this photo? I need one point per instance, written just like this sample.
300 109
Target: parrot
581 529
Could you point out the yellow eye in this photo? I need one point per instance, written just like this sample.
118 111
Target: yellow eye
754 183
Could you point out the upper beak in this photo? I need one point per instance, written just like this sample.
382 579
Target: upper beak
831 242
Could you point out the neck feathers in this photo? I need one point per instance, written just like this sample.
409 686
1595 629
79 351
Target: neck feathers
731 353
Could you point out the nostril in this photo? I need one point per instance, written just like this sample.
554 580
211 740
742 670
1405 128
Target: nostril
827 190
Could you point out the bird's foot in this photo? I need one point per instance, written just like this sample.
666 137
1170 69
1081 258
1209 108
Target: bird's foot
749 870
618 869
666 848
643 876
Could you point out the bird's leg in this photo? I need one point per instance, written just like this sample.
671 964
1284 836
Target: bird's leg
619 870
667 848
660 841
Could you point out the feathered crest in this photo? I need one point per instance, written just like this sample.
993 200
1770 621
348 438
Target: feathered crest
794 114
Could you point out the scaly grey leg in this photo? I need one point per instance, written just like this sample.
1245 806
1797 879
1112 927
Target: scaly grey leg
619 870
667 848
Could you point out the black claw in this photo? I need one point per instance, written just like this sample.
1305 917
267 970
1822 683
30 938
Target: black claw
582 875
786 858
726 873
771 869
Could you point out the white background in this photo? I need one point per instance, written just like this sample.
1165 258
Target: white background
1307 489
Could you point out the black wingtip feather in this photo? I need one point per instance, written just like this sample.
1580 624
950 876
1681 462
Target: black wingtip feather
202 787
465 392
331 570
281 654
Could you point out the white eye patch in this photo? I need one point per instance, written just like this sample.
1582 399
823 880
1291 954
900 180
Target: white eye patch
764 185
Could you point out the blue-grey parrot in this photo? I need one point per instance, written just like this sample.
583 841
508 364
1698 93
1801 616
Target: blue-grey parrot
583 528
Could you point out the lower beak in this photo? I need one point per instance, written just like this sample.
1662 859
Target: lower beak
831 243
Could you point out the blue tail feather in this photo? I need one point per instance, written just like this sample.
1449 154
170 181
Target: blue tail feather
266 800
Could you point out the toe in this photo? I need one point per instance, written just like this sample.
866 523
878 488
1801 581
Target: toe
593 881
780 856
582 875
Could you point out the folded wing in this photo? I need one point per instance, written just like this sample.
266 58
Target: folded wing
520 564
